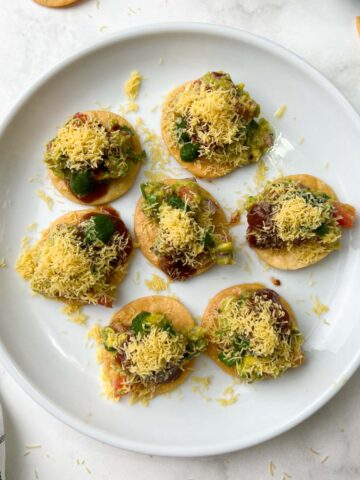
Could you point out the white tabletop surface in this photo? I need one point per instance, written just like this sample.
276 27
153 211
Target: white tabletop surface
32 40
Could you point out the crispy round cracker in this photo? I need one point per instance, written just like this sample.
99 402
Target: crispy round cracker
117 187
200 166
211 313
174 311
146 229
288 260
55 3
74 218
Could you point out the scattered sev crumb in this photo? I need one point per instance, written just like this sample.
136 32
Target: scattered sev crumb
3 263
159 157
301 140
32 227
94 333
235 217
357 24
161 61
280 111
36 474
129 107
285 476
102 107
102 28
230 397
272 468
33 445
326 322
157 284
319 308
311 281
27 452
203 381
260 174
315 452
73 312
154 108
45 198
275 281
326 164
25 242
132 85
323 460
98 4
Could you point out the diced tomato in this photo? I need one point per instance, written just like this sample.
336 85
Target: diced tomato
105 302
117 383
185 193
344 214
82 117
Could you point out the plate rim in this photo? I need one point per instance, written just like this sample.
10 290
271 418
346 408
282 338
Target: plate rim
118 37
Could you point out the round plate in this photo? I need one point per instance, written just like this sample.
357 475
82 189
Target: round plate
48 355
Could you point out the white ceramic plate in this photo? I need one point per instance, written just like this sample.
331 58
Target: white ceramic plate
46 353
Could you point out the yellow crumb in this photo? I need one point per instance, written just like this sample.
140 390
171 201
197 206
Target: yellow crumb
319 308
157 284
154 108
225 402
3 263
272 468
45 198
323 460
94 333
260 174
129 107
200 391
202 381
32 227
315 452
25 242
357 24
161 61
97 4
326 322
73 312
280 111
311 281
301 140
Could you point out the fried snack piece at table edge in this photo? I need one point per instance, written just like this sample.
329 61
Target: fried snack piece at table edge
252 332
296 221
94 158
211 126
181 228
149 348
80 259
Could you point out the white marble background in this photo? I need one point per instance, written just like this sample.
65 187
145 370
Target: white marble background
33 39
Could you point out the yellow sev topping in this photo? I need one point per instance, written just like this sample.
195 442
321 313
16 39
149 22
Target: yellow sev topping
157 284
58 266
248 336
153 352
82 143
254 322
215 108
294 215
179 231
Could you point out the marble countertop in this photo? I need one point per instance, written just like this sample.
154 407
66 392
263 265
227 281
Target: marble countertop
33 39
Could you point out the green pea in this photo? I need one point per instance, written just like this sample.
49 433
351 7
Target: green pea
81 183
189 152
100 227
